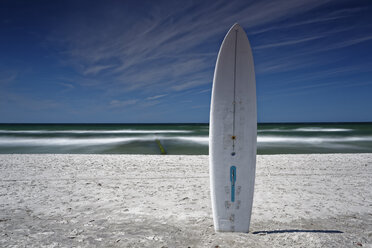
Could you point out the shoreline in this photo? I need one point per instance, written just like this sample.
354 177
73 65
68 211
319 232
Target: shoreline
301 200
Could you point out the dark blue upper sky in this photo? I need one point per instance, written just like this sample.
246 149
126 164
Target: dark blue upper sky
153 61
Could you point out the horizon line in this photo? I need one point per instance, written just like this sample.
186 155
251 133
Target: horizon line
171 123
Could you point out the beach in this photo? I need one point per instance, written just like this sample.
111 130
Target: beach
60 200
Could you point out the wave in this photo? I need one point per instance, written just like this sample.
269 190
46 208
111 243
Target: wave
307 129
62 141
310 140
15 141
125 131
202 140
319 129
195 139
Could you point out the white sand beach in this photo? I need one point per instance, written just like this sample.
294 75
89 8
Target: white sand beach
163 201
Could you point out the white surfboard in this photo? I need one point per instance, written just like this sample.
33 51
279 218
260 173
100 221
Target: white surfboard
233 134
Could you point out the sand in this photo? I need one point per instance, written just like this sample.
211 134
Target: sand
163 201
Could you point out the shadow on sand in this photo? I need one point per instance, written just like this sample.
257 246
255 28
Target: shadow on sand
297 231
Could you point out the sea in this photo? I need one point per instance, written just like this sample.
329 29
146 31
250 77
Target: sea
188 139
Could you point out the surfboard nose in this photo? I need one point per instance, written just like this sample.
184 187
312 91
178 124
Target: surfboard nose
236 26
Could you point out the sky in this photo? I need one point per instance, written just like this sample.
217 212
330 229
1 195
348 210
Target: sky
153 61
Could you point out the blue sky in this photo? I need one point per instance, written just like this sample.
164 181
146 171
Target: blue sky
153 61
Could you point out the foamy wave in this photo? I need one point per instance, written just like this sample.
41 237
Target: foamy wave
124 131
15 141
307 129
196 139
319 129
271 130
309 140
202 140
63 141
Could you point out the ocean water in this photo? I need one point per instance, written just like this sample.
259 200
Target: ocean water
180 138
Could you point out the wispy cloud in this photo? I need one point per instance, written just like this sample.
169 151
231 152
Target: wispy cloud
145 62
287 43
125 103
319 80
156 97
101 57
158 51
305 89
7 77
310 21
322 77
93 70
294 55
203 91
189 84
350 42
67 86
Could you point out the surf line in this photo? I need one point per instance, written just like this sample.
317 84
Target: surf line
234 102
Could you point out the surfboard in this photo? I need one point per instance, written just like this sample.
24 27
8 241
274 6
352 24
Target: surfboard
233 134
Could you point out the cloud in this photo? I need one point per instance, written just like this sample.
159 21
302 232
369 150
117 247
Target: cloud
156 97
67 86
188 85
287 43
290 57
328 73
165 45
351 42
7 77
125 103
204 91
149 104
93 70
199 106
329 17
320 79
306 88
